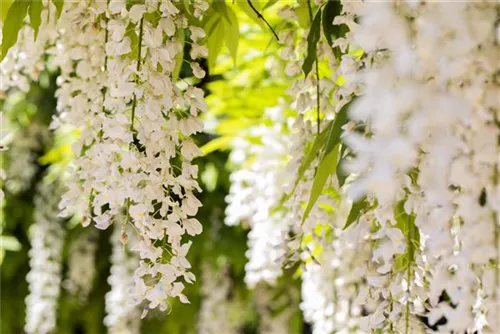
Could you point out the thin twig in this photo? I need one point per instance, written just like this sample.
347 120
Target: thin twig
263 19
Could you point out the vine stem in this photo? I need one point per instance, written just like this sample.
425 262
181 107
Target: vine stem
138 68
408 279
260 16
496 230
317 76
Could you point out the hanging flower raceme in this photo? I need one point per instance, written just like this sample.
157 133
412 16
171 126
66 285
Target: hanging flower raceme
430 160
276 309
122 314
24 148
44 278
255 193
135 150
217 308
81 265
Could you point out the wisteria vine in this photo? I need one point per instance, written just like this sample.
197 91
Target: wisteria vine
376 177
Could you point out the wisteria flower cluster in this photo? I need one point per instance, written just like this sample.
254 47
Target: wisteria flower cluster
134 153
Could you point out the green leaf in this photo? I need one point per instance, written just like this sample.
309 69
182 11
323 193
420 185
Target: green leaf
335 129
232 33
406 223
250 12
302 12
179 57
219 6
221 143
187 6
308 159
269 4
324 143
35 12
13 23
59 7
312 44
134 39
355 212
341 173
215 35
130 3
325 169
4 8
10 243
330 11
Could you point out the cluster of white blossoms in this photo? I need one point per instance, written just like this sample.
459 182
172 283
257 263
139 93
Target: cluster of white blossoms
3 147
255 193
25 59
430 106
331 282
24 148
217 306
81 265
122 314
135 150
44 279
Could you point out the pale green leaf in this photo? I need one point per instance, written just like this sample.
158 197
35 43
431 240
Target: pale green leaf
250 12
302 12
355 212
232 33
323 144
10 243
312 44
13 23
4 8
221 143
406 223
325 169
269 4
35 12
179 57
59 7
214 29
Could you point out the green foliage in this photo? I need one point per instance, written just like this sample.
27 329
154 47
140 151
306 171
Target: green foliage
406 223
221 26
330 11
341 173
13 23
312 43
4 8
270 3
305 17
35 12
179 57
221 143
357 207
324 143
245 6
324 171
13 14
214 29
59 7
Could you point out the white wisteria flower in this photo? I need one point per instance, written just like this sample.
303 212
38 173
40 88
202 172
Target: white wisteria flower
44 279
